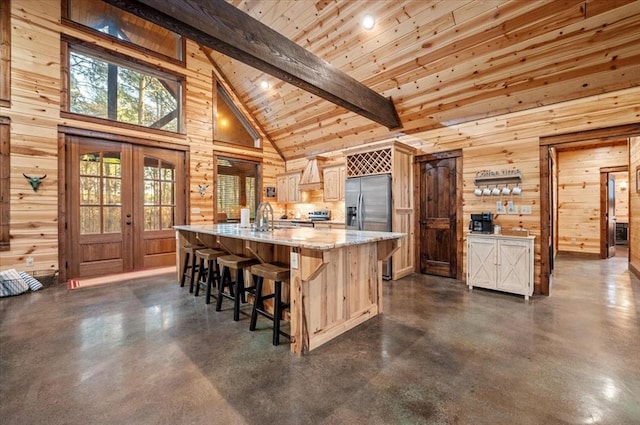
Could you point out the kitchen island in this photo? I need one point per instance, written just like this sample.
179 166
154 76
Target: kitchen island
336 275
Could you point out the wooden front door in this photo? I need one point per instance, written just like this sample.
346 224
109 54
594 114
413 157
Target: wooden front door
438 216
122 202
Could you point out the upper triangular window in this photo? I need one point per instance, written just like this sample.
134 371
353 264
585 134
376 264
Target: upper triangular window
230 125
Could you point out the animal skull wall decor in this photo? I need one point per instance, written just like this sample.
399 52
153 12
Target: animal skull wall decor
34 181
202 188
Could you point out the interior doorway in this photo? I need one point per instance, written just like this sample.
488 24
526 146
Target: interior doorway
551 231
121 203
614 207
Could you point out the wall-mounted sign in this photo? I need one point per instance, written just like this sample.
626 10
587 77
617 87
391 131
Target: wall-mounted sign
492 177
270 192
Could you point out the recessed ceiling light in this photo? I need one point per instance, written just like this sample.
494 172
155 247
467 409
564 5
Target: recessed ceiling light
368 21
264 84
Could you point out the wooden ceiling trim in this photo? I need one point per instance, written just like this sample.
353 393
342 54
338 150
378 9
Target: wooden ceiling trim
230 31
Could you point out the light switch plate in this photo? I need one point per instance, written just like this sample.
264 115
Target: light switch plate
294 260
195 210
526 209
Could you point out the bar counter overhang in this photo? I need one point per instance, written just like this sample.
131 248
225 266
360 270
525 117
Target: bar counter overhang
336 275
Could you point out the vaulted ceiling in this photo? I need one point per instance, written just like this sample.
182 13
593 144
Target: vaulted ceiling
441 61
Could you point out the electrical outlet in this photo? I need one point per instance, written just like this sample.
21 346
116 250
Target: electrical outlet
512 208
294 260
500 209
526 209
29 261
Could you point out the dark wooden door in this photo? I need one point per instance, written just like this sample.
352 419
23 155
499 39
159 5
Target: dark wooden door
611 216
438 217
122 203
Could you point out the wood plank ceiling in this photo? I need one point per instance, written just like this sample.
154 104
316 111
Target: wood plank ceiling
442 62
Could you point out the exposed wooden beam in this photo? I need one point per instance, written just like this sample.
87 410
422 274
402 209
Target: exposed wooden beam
228 30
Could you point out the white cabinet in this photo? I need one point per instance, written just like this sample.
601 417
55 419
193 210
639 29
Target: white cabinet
503 263
287 190
334 178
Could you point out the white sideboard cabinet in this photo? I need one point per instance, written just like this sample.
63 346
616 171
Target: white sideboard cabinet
503 263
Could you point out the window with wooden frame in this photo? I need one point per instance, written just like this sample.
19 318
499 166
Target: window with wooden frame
5 183
5 52
108 86
107 21
230 126
238 185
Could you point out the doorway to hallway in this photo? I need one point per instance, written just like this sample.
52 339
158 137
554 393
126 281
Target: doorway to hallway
575 223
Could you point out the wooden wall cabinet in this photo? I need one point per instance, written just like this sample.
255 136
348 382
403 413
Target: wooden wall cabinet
334 178
287 187
503 263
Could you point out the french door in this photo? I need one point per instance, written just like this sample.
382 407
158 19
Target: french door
122 203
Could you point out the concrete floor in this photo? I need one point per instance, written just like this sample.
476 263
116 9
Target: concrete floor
147 352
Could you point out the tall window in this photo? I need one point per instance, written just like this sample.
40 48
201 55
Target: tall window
100 193
125 27
159 194
230 125
5 52
237 183
103 87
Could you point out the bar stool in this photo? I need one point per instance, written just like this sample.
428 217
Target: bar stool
190 268
209 272
278 273
236 288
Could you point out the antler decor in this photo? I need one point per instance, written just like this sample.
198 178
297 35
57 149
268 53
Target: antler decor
34 181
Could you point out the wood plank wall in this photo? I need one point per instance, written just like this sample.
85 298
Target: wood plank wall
504 141
579 195
512 140
634 206
35 117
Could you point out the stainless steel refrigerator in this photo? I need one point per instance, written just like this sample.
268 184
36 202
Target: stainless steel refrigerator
368 206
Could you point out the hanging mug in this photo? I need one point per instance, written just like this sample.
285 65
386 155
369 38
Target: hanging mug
495 191
478 191
506 190
486 191
516 190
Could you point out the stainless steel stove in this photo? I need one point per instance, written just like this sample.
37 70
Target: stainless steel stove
320 215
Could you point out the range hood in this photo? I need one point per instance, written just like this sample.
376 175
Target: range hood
311 178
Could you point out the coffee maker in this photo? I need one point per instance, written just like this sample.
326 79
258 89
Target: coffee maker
481 223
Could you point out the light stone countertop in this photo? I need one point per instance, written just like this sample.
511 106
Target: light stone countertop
302 237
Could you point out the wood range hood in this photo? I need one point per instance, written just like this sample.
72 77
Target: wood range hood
311 178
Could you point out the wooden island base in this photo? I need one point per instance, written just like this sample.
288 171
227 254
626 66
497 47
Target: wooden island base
336 275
